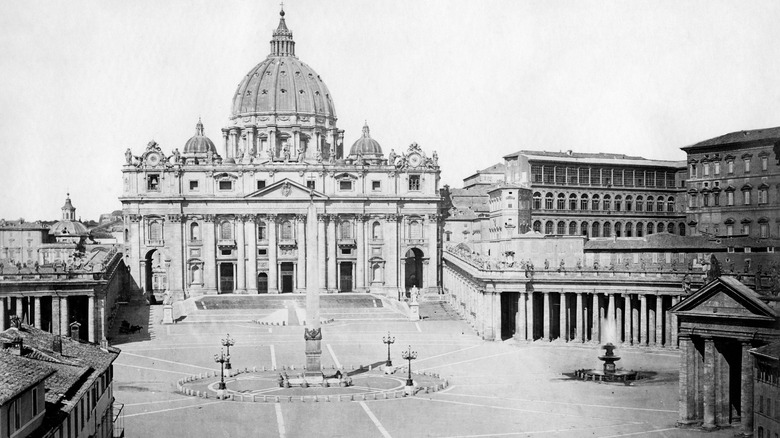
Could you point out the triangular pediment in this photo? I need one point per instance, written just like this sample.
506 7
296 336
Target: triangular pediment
287 190
725 297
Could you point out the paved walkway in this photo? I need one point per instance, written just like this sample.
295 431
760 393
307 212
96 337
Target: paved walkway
497 388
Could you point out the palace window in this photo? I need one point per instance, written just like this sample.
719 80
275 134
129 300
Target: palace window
194 232
629 230
225 231
747 165
193 186
260 184
536 173
262 231
561 229
311 184
376 185
670 204
763 230
650 202
640 203
706 169
572 202
650 228
746 196
730 166
584 202
584 175
561 201
287 231
629 203
717 168
659 204
537 226
414 182
584 228
764 163
537 201
640 229
548 227
618 203
376 231
607 229
595 201
729 198
763 196
153 183
618 230
548 201
595 229
572 228
155 231
226 185
660 228
746 229
607 202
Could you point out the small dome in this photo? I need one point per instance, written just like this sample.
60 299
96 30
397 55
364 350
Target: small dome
199 143
68 228
366 146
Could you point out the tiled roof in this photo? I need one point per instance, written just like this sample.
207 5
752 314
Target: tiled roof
739 137
19 373
671 242
596 158
770 350
76 366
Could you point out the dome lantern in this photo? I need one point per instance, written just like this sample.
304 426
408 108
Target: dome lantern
282 43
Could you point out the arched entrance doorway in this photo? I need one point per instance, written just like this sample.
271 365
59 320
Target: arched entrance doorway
413 269
156 278
262 283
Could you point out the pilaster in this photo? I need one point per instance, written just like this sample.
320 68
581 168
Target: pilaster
321 257
746 395
250 231
209 255
303 237
360 262
241 255
709 383
332 285
273 276
659 320
91 318
643 320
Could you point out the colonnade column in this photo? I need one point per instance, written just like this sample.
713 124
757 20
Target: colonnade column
64 317
3 313
643 319
612 319
562 318
635 325
273 280
595 335
546 316
250 228
303 234
91 318
241 256
627 319
209 256
530 317
321 252
392 259
673 320
709 383
37 313
19 308
580 334
659 320
746 396
433 266
360 263
332 252
55 315
520 323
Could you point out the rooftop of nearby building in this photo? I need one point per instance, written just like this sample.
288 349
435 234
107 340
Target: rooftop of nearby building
769 351
17 374
738 137
599 158
496 169
21 224
671 242
76 366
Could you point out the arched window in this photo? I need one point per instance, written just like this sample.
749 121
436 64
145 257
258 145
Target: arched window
225 231
538 226
573 228
537 201
659 204
650 228
618 203
670 228
548 201
640 203
629 229
345 230
607 229
618 229
584 228
670 204
376 231
155 231
561 201
629 203
572 202
548 227
682 229
606 203
640 229
415 230
561 228
660 228
262 231
194 232
287 230
584 202
595 202
650 203
594 230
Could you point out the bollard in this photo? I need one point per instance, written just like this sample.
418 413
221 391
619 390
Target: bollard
369 367
292 367
263 367
327 398
351 397
205 395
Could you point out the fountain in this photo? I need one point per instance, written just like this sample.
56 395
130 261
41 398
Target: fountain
609 373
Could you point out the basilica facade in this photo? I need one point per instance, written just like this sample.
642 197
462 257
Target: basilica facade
232 219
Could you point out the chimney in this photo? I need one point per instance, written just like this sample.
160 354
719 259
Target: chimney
56 344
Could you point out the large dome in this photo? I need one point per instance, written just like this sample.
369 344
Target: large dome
199 143
366 146
282 84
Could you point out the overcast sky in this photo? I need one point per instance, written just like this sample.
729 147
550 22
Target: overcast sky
81 81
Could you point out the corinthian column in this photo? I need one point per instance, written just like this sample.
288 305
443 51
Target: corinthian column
303 237
332 286
273 276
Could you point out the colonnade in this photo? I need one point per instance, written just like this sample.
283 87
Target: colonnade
29 310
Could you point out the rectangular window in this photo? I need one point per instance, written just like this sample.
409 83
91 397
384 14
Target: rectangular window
730 230
226 252
716 199
193 186
764 163
376 186
262 251
345 186
763 197
746 195
260 184
730 198
706 169
414 182
153 183
536 173
226 185
747 165
730 165
346 251
310 184
717 168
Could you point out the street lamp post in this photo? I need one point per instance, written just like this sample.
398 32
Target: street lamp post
222 358
388 340
227 343
410 356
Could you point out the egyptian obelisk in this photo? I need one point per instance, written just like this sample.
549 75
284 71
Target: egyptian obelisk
312 332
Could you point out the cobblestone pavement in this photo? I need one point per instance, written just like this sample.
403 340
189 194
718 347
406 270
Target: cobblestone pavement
506 389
